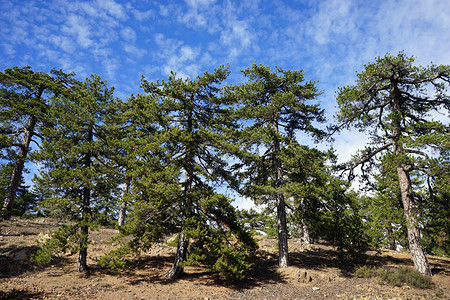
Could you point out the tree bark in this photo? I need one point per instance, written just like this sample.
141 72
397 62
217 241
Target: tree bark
180 257
304 227
85 210
390 235
18 168
82 255
412 225
418 256
123 205
283 251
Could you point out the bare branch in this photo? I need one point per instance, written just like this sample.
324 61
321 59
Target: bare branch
414 151
365 158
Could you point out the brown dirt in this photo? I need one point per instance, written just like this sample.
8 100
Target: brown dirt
314 273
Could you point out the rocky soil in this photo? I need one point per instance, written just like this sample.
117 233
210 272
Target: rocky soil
315 273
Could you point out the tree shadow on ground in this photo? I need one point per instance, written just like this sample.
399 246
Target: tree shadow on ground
376 259
322 260
21 294
151 270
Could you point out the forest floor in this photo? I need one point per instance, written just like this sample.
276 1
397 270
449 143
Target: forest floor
315 273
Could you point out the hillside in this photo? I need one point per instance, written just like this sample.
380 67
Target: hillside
315 273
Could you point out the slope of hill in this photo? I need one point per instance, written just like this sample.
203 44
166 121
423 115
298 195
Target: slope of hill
315 273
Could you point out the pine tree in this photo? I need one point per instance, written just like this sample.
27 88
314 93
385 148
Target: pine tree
181 132
75 155
273 108
383 210
322 203
435 208
26 200
392 101
24 97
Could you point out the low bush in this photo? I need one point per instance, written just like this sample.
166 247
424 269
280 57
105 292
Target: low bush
396 277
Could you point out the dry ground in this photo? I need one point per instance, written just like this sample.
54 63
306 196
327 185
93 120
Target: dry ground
314 274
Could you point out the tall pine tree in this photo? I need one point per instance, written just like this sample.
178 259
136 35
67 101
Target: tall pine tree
180 161
24 98
393 102
75 156
273 108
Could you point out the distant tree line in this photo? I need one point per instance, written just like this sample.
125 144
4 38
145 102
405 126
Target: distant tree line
166 160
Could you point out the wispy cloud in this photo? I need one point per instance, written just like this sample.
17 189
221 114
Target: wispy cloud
128 34
236 38
77 26
177 57
134 51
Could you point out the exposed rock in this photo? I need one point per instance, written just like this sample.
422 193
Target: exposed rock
42 237
296 275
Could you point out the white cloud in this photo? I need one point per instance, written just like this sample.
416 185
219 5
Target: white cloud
332 18
111 66
200 3
178 57
114 9
8 49
128 34
77 26
237 38
140 15
164 11
134 51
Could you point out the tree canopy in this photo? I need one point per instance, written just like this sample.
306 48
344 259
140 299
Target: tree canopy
393 101
172 157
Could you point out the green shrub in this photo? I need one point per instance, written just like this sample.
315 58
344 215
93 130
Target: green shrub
414 278
366 272
397 277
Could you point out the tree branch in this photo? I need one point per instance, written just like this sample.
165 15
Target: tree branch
365 158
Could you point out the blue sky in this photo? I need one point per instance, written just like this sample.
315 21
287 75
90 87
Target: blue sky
122 40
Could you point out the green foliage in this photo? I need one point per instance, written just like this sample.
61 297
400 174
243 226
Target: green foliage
217 238
26 201
366 272
272 106
120 258
393 102
176 150
65 238
323 201
257 222
397 277
275 105
77 174
341 224
383 211
25 99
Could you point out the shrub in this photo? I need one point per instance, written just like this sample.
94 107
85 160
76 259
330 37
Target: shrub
397 277
366 272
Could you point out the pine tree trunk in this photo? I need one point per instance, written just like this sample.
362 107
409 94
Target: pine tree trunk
283 258
412 225
305 233
283 252
123 205
180 257
418 256
176 270
391 239
305 229
18 168
82 255
85 210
